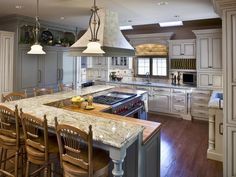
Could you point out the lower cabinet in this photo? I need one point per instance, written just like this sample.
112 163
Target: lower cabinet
210 80
159 103
231 151
199 104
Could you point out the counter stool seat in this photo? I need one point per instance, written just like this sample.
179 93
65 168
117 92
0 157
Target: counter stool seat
100 164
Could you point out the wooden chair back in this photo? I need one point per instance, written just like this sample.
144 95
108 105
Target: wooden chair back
13 96
72 144
42 91
65 87
36 138
9 128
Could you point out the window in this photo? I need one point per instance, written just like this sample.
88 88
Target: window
156 66
143 66
159 67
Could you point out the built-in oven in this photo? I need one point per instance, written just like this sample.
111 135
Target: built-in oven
189 78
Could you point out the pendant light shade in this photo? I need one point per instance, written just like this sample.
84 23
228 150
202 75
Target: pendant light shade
36 48
93 47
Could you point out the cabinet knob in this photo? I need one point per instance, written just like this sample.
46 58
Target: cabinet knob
210 67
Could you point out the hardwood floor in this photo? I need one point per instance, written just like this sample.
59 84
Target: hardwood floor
184 148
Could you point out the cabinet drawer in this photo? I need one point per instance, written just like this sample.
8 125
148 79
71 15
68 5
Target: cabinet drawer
178 100
196 106
202 100
201 93
161 90
179 109
178 91
200 113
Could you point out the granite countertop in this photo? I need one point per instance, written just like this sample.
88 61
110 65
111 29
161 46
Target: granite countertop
216 100
157 84
111 132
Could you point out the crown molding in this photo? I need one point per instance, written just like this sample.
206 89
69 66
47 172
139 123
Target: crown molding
220 5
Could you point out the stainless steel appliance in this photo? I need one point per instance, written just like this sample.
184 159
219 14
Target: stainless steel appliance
124 104
189 78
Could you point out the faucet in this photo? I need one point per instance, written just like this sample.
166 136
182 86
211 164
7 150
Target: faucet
148 77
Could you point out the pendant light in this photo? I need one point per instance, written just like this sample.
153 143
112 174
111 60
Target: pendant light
94 47
37 48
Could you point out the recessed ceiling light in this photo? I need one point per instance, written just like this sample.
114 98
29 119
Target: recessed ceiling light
62 18
174 23
162 3
126 27
19 6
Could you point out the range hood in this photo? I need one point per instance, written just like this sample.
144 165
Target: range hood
110 37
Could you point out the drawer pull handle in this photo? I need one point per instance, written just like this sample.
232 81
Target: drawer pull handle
221 128
210 84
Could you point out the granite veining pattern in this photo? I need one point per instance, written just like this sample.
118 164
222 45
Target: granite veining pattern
109 132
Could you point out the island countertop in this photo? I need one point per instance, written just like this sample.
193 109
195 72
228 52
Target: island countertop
110 130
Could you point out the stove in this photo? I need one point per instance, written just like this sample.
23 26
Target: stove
113 98
124 104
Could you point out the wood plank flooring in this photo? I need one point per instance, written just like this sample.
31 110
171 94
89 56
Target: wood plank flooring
184 148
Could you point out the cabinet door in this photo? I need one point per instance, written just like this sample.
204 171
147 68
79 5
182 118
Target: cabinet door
68 71
217 53
231 151
176 51
210 80
51 72
31 74
160 103
83 62
189 50
6 61
204 48
203 80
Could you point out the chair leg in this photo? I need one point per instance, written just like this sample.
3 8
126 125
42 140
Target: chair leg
16 163
5 157
27 169
46 172
1 156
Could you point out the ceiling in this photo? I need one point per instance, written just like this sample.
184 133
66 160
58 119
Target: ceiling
131 12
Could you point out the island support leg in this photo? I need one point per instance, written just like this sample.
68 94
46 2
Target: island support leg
117 156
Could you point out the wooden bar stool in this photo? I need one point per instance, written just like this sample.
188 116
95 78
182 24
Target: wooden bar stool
66 87
80 159
13 96
10 140
40 151
42 91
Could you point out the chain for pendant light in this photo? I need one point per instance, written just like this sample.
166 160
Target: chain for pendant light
94 23
37 24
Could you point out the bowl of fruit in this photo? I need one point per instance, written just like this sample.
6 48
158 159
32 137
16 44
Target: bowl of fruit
77 100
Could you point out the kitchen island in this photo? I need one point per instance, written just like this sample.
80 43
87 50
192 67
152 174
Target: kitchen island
137 140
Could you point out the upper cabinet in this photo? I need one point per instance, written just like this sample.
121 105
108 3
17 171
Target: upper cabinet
182 48
209 58
209 49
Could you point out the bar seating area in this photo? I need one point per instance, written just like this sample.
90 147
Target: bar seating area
26 139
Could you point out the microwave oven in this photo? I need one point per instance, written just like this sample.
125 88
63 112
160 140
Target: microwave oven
189 78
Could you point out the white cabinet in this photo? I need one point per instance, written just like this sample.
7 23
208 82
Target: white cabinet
182 48
209 58
159 99
209 53
121 62
210 80
159 103
6 61
199 104
179 101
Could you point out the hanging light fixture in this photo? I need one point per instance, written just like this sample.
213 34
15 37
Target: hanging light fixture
94 47
36 48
